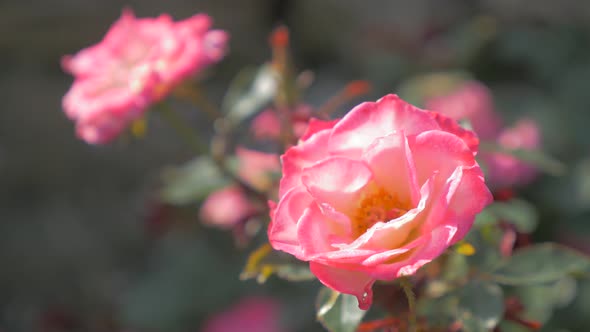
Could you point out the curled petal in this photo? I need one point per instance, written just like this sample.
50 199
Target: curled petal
313 232
392 164
470 198
317 125
441 152
449 125
282 231
435 244
337 181
301 156
346 281
369 121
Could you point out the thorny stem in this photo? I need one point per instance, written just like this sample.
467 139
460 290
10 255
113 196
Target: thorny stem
218 147
219 144
407 288
349 92
287 86
182 129
199 100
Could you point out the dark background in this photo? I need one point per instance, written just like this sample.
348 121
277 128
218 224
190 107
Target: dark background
76 249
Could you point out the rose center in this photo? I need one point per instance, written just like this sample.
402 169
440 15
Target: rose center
375 207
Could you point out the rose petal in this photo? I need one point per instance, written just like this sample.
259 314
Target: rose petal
393 167
469 199
435 244
313 232
369 121
350 282
449 125
337 181
441 152
317 125
303 155
282 231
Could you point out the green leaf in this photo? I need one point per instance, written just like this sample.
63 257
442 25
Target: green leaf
540 264
455 267
485 218
251 90
191 182
540 301
518 212
439 311
264 262
338 312
536 158
481 306
485 240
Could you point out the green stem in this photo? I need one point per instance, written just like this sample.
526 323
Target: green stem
196 96
218 146
407 287
182 129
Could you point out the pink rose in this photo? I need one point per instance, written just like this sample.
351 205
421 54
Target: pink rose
226 207
136 64
506 170
472 101
377 194
253 314
267 124
229 206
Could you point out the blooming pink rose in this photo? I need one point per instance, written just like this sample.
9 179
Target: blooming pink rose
136 64
377 194
473 102
506 170
253 314
229 206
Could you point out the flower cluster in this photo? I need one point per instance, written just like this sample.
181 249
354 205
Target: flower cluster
372 196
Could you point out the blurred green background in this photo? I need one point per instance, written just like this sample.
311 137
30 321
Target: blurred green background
82 244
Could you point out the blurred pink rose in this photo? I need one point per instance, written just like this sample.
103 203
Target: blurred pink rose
473 102
257 168
226 207
377 194
253 314
136 64
505 170
267 124
229 206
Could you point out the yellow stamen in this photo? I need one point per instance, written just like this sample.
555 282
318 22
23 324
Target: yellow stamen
376 207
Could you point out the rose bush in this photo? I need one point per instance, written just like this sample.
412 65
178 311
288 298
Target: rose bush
136 64
377 194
